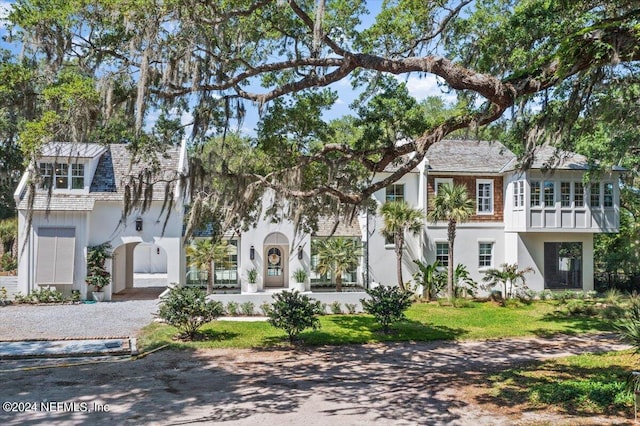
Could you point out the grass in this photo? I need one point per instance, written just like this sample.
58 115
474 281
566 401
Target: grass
581 385
425 322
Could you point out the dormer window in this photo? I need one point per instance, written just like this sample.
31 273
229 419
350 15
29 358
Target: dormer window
62 176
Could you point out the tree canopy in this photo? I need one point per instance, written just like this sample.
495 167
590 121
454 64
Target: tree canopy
543 70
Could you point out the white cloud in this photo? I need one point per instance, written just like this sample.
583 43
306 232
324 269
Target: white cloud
423 87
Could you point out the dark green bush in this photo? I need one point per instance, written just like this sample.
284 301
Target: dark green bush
387 305
187 309
293 312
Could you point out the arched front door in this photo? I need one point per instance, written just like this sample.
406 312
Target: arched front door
276 249
275 273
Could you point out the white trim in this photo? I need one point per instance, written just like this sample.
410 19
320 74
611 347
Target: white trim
479 182
443 181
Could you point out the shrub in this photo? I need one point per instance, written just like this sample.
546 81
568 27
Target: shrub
387 305
8 262
4 298
232 309
579 307
42 295
546 295
336 308
321 307
293 312
612 312
265 307
629 327
247 308
612 296
351 307
461 302
187 309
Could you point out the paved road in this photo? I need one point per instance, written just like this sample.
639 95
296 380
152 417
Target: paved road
390 384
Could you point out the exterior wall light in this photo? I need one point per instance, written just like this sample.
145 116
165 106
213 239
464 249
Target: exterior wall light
139 224
252 252
300 253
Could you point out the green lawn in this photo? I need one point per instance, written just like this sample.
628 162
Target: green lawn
579 385
425 322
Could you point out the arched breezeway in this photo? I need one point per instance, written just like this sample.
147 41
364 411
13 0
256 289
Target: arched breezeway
138 271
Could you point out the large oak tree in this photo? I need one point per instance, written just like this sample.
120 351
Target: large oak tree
543 62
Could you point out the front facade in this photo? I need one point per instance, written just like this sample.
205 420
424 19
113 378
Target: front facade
544 218
78 202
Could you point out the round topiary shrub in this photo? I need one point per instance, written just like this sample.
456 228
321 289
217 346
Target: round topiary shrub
187 309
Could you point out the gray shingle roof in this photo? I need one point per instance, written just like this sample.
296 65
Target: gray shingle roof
115 169
59 203
468 156
326 225
548 157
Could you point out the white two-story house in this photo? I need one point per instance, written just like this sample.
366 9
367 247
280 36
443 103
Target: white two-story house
77 202
544 218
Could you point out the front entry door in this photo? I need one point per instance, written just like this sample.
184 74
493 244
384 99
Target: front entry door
275 266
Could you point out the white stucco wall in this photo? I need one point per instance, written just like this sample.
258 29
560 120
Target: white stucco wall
530 253
28 247
255 236
467 243
382 257
105 226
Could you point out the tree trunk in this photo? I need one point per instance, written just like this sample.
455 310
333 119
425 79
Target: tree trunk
451 234
209 279
339 282
399 244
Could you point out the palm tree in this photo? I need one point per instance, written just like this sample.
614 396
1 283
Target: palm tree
398 219
204 253
508 275
453 205
337 255
430 277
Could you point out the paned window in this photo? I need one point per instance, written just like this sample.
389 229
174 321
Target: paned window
46 174
442 253
549 193
535 194
578 194
394 193
77 176
518 193
565 194
608 194
484 196
485 255
62 176
594 194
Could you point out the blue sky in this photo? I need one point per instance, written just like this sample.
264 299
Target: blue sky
419 86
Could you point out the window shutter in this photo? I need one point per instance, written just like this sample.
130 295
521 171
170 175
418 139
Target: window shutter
56 255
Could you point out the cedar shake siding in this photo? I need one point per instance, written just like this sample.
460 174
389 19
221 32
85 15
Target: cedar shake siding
470 183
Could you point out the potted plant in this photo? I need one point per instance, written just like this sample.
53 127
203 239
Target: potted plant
300 278
97 274
252 276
